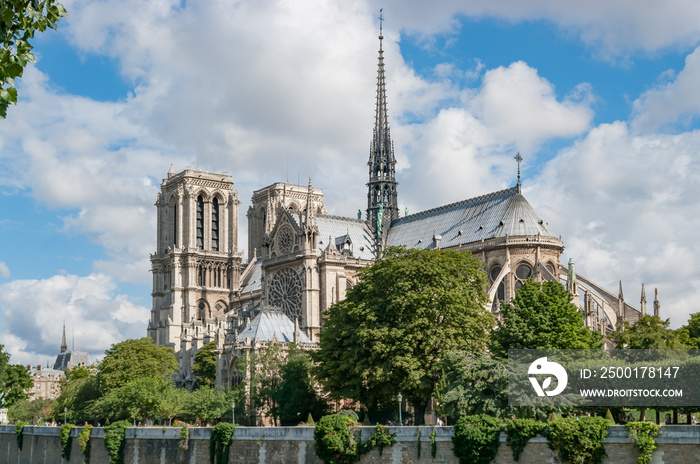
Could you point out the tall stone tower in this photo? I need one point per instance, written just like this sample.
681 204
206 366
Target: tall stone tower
382 203
196 267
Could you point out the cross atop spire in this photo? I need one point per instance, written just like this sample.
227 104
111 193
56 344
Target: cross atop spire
519 160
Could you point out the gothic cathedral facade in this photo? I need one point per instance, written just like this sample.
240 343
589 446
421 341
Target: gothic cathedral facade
301 260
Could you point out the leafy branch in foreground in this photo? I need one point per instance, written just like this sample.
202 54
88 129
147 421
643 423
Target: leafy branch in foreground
19 20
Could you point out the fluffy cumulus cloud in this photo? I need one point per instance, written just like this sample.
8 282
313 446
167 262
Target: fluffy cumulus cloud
676 100
33 312
626 206
614 28
467 149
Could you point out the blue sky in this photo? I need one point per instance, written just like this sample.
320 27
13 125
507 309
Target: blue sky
599 97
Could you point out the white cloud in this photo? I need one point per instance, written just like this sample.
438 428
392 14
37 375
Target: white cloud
614 28
626 207
672 101
520 106
4 270
33 312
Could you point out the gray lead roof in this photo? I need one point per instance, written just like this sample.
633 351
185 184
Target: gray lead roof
269 324
356 229
498 214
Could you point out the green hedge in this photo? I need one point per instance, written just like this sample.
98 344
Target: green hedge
578 440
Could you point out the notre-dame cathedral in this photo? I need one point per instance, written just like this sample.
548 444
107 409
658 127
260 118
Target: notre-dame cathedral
301 259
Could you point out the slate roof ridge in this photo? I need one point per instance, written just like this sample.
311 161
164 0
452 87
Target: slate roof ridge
511 190
347 219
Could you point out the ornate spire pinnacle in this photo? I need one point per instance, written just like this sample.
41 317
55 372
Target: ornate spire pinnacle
643 302
620 295
519 159
382 164
64 345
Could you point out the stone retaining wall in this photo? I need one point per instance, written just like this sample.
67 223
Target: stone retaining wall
284 445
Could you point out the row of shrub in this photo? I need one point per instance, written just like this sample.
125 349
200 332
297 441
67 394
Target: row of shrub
576 440
476 439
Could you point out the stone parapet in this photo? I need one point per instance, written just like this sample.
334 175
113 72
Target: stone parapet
262 445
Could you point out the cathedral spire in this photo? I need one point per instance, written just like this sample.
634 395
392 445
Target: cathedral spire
64 345
382 164
643 302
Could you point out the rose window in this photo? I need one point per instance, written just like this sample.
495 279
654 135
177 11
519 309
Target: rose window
285 292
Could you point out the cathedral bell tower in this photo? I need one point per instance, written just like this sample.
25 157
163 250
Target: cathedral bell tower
196 267
382 204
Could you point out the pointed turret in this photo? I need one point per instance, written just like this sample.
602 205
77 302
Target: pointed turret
657 304
64 345
620 305
382 164
643 302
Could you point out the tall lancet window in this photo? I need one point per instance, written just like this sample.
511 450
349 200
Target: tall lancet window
200 222
215 225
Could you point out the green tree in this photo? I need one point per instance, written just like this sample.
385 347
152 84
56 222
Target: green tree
204 367
139 399
33 411
689 334
542 316
408 310
295 395
19 20
4 361
210 405
133 359
265 374
649 332
77 394
474 384
172 404
16 382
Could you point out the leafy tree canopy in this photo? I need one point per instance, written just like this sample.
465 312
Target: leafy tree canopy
649 332
19 20
16 380
542 316
133 359
205 365
295 395
210 405
76 396
138 399
474 384
408 310
32 411
4 361
689 334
